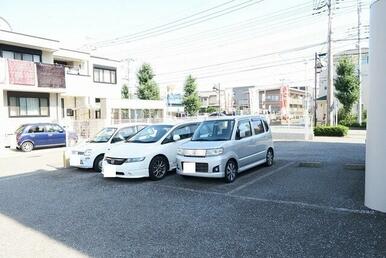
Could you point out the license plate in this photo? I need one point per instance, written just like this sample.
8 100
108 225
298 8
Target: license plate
74 160
109 170
189 167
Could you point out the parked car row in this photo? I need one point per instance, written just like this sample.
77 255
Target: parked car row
218 147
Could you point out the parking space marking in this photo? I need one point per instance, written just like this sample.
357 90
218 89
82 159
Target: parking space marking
292 203
304 204
261 177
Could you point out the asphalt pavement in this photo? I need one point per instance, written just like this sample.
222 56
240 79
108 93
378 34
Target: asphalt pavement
309 204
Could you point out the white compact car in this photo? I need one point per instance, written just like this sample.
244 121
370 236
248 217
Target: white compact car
150 153
90 154
226 146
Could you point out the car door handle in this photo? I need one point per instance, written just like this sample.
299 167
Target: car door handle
50 134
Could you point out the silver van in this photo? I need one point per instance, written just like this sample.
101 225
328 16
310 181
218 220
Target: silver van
226 146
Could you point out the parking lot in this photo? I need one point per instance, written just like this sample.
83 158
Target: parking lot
310 203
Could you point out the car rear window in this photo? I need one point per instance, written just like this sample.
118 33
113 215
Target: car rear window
20 129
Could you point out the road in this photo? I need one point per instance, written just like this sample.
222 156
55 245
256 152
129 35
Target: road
308 204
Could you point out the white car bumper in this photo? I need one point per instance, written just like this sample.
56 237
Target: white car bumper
81 161
126 170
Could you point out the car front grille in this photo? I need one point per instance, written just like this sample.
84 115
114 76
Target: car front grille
200 167
115 161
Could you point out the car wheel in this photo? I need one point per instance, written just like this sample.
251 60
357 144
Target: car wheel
158 168
27 146
269 158
230 171
98 163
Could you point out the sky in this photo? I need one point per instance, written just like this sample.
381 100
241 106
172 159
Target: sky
266 43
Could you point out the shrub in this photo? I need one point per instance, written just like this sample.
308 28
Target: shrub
352 124
357 125
339 130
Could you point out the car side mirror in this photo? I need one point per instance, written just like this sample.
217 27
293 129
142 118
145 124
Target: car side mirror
176 137
61 131
237 134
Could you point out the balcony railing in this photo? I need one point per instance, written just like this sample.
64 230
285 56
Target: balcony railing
75 71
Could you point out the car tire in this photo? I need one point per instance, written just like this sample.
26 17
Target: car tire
230 171
97 166
158 168
269 158
27 146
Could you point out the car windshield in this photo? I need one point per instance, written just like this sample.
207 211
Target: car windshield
215 130
150 134
104 135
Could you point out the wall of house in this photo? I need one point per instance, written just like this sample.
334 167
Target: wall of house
10 124
47 57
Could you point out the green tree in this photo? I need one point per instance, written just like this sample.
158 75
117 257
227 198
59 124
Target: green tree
125 92
211 109
346 85
147 88
191 100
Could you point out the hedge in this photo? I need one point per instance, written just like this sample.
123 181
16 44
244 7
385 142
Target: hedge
339 130
355 125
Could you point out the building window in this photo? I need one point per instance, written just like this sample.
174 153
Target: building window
28 106
105 75
21 56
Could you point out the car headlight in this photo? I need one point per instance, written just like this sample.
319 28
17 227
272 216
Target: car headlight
214 152
87 152
180 151
138 159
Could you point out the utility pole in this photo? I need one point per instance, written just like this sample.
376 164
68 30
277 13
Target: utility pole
315 86
359 63
218 88
330 69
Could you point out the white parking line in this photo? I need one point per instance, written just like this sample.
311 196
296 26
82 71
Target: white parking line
304 204
261 177
292 203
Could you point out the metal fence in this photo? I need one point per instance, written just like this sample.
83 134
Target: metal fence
299 126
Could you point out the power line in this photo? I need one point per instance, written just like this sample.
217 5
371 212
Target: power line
169 23
249 69
267 28
248 58
244 23
131 38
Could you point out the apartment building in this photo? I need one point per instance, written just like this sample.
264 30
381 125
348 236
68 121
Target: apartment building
220 102
283 102
353 55
42 82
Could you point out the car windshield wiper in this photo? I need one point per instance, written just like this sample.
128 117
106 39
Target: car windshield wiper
137 141
134 141
97 141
